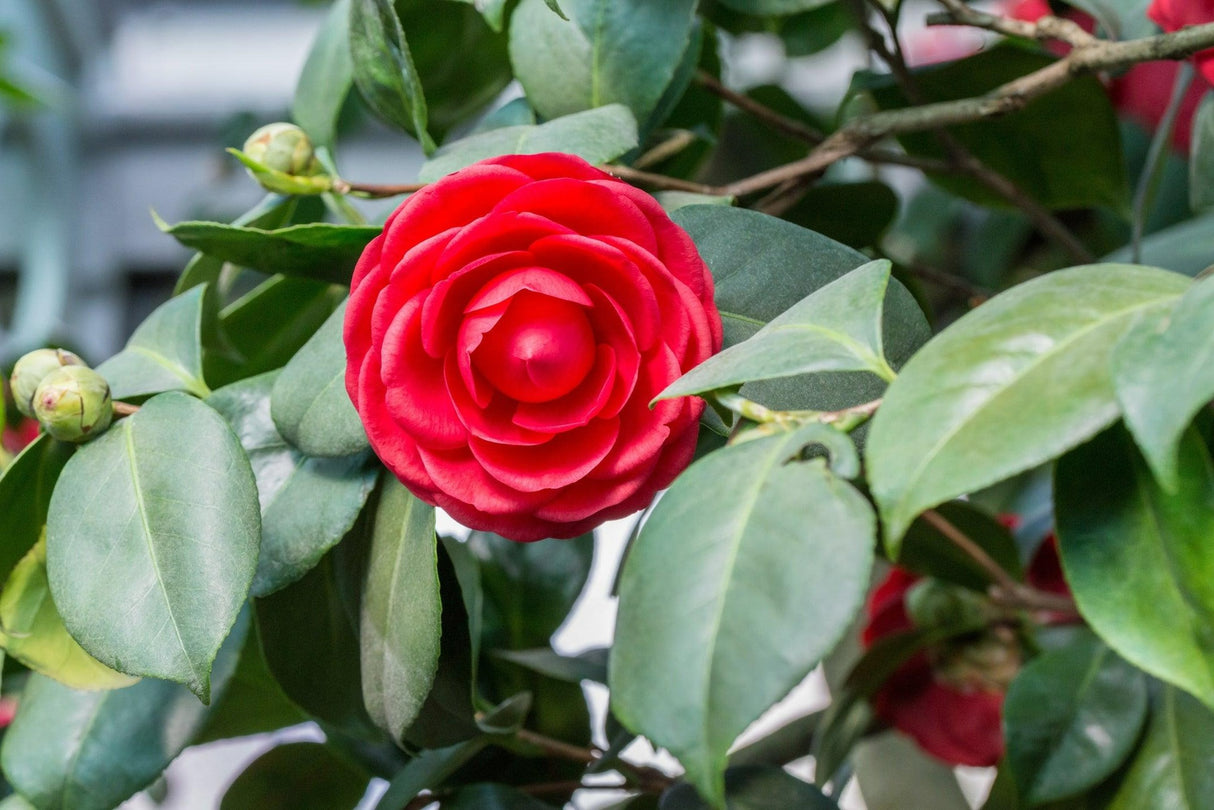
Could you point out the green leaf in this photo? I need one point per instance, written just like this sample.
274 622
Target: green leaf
1201 160
773 8
253 702
269 324
608 51
1171 770
326 77
311 647
1024 146
926 551
729 562
25 496
1010 385
754 787
589 665
75 750
492 797
1138 559
318 250
384 71
1183 248
856 214
1072 716
272 211
164 353
599 136
529 588
835 328
401 613
428 769
893 773
309 403
492 10
32 631
296 776
1164 371
788 742
307 504
155 521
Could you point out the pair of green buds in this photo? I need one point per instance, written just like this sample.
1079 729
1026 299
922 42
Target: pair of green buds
70 400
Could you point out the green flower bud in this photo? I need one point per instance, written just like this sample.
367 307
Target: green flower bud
73 404
282 147
30 371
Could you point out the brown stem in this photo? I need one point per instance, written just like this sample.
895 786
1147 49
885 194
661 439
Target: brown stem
124 408
777 121
662 182
1005 590
375 190
1043 29
557 748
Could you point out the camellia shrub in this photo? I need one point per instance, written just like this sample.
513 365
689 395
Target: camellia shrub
951 442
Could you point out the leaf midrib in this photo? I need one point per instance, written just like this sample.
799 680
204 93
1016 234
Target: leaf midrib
141 508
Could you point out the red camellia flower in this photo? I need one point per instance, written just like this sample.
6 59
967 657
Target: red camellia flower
506 333
955 719
14 439
1172 15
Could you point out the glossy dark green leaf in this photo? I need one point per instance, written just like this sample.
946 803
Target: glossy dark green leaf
74 750
835 328
401 613
164 353
493 797
272 211
318 250
1164 371
788 742
326 77
811 32
753 787
599 136
1071 717
1171 771
730 562
269 324
309 403
296 776
461 61
32 631
1138 559
1024 146
529 587
608 51
311 648
428 769
384 71
252 702
926 551
307 504
1010 385
761 266
156 521
590 665
1201 159
856 214
25 496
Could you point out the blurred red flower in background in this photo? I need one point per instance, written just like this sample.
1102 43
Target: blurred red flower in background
16 438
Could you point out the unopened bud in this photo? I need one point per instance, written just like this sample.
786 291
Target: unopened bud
73 404
30 371
282 147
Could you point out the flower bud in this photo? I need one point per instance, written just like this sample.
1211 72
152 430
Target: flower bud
30 371
282 147
73 404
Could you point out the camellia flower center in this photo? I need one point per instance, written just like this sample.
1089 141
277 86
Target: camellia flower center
540 349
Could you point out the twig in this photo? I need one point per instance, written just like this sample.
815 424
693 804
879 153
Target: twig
1005 590
777 121
375 190
124 408
677 142
662 182
557 748
1043 29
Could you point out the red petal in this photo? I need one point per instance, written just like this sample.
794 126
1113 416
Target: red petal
577 407
586 208
568 457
